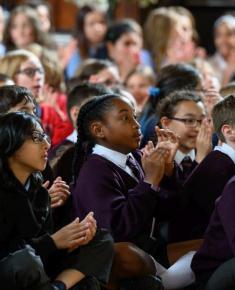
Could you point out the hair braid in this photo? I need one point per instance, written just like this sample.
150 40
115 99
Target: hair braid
92 110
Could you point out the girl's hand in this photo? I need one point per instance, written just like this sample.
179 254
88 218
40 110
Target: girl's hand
90 232
203 143
92 227
71 236
169 140
153 162
59 192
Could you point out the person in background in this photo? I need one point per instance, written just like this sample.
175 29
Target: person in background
97 71
91 26
170 36
224 38
25 69
170 78
124 42
43 8
139 83
23 28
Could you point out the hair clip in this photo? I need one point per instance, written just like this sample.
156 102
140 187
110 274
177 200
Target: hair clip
154 92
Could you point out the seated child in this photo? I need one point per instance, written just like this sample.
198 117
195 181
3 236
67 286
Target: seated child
184 114
110 178
216 254
207 181
32 256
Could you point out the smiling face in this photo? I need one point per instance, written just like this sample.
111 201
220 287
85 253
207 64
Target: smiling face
187 135
32 81
119 130
30 157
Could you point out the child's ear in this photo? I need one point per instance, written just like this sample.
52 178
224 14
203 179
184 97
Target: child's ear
228 132
97 129
165 122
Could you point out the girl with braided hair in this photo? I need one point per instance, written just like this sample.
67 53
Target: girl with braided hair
120 185
109 177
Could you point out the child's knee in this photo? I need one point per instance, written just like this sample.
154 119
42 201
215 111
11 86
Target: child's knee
26 268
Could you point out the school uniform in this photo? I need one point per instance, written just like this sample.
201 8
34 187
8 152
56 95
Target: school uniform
121 203
25 222
219 239
171 187
57 152
200 191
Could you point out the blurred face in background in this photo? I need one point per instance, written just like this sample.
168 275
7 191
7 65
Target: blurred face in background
126 48
21 31
108 76
224 39
138 85
95 27
44 17
31 76
181 45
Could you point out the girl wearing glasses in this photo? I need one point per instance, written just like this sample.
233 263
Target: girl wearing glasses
26 70
31 257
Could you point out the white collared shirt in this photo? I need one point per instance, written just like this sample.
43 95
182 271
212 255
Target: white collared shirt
73 136
226 149
179 156
116 157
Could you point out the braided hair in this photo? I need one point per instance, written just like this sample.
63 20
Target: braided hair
93 110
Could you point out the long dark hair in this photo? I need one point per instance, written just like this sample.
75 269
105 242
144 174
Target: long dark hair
92 110
15 129
83 43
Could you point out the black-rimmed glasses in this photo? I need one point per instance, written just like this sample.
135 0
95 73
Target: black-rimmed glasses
31 71
39 137
189 122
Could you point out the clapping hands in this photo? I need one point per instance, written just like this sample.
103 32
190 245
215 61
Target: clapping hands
158 160
75 234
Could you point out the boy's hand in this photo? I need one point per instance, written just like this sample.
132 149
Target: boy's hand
203 142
